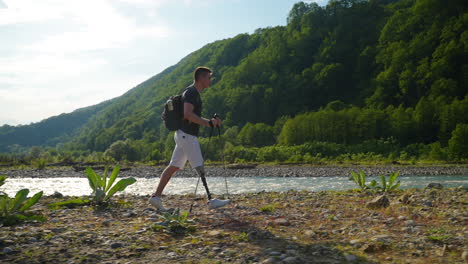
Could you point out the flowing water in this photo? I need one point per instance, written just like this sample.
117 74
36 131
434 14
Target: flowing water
144 186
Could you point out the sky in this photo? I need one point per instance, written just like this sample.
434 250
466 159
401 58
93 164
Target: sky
60 55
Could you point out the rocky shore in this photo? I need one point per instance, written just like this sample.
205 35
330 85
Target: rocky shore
250 171
412 226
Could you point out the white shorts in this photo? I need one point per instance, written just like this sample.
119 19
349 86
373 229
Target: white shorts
187 148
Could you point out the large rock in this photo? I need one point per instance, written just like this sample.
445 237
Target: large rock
434 185
379 202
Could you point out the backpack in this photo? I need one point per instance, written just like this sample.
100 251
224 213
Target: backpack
173 113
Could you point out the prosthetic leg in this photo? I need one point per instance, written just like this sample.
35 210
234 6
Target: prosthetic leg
201 173
212 203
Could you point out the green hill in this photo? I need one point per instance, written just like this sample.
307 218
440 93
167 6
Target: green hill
347 73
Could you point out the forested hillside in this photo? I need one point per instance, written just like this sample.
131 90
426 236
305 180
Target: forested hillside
377 77
48 132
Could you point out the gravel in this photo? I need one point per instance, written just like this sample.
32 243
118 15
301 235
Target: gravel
264 170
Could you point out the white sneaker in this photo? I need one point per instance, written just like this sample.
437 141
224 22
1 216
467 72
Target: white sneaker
157 202
216 203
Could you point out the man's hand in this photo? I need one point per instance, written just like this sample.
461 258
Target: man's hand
216 121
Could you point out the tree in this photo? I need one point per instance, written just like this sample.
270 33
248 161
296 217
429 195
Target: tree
458 143
121 150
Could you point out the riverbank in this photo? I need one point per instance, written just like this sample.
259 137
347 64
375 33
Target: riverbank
418 226
250 171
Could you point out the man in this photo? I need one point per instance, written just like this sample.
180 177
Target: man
187 145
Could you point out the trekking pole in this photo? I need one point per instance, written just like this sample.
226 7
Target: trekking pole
198 181
222 156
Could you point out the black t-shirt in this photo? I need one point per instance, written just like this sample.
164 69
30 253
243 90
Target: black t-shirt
191 95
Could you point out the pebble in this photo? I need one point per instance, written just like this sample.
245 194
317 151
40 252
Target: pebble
310 233
290 260
381 238
281 221
379 202
58 230
214 233
427 203
275 253
116 245
129 214
172 254
107 222
350 258
217 249
269 260
57 195
7 250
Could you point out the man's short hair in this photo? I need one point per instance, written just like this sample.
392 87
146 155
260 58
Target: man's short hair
199 71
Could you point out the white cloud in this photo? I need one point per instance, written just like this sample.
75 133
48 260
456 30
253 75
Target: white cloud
96 25
55 72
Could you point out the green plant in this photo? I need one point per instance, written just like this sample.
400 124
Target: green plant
69 204
438 235
103 189
268 208
175 223
386 186
242 237
12 210
390 185
359 179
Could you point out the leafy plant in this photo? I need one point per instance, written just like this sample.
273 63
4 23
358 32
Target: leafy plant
69 204
385 186
268 208
175 223
242 237
359 179
390 185
12 210
438 235
103 189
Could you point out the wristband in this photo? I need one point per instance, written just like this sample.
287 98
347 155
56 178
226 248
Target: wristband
211 123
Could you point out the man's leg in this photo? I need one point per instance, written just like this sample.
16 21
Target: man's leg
165 177
178 161
155 199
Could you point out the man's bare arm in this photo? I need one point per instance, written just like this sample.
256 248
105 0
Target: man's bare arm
189 115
